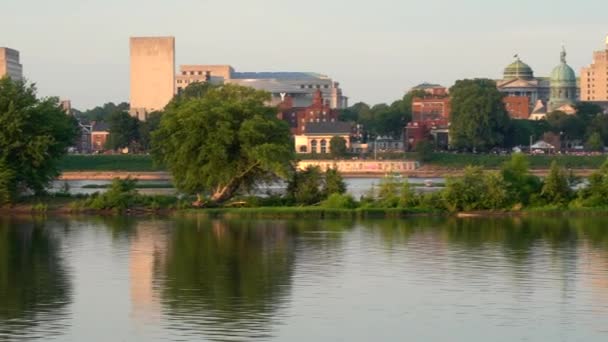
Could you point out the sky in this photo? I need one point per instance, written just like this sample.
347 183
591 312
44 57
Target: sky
377 50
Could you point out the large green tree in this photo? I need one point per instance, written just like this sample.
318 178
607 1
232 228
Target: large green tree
479 118
223 141
34 134
102 113
337 147
124 130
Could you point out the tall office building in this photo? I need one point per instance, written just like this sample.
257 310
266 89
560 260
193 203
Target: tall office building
152 74
9 64
594 78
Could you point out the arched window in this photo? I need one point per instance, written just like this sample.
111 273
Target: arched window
302 149
323 146
313 146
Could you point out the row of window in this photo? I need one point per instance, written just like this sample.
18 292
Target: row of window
313 86
186 73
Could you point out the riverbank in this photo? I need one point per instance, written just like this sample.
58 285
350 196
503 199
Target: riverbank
425 172
67 206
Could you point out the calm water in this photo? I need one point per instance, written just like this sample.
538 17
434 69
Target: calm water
193 279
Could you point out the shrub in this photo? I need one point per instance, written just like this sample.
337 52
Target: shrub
339 201
334 183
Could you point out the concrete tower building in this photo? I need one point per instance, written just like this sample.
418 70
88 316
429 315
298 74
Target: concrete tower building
10 65
152 74
594 78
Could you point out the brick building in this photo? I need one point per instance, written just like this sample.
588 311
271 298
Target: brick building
299 117
518 107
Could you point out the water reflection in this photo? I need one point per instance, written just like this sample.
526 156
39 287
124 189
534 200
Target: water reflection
34 283
195 278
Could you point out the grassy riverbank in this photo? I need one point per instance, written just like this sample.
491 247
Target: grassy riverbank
144 163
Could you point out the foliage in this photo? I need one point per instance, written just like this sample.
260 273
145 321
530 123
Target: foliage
35 134
476 190
121 195
520 131
146 128
594 142
599 125
337 146
596 193
103 113
224 141
107 163
556 189
571 127
520 183
479 120
7 184
339 201
424 151
305 186
333 182
124 131
388 192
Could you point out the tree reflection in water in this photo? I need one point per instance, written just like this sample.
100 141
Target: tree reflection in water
227 278
34 284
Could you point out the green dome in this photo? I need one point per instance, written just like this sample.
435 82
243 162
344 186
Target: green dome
563 75
518 69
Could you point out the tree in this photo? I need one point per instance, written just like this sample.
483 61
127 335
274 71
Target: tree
571 127
600 125
588 111
479 118
305 186
34 135
594 142
124 130
147 127
334 183
556 189
224 141
103 113
596 193
337 147
520 183
424 151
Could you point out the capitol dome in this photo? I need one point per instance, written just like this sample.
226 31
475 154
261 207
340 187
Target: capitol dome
563 74
518 70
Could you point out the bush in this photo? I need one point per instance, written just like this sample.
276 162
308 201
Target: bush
121 195
339 201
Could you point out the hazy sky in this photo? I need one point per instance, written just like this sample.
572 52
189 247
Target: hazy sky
78 49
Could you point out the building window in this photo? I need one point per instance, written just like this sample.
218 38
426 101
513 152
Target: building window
302 149
200 72
323 146
184 73
313 146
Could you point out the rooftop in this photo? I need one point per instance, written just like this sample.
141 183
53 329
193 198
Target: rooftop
328 128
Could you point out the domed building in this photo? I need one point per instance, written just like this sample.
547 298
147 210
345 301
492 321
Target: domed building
522 89
563 87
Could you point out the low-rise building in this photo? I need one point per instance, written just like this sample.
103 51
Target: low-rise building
299 117
99 136
518 107
317 136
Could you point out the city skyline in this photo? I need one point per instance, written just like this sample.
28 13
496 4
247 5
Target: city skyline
377 51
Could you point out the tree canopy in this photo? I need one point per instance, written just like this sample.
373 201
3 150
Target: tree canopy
479 118
223 141
124 130
35 134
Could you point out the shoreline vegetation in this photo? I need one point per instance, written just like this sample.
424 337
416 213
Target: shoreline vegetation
311 193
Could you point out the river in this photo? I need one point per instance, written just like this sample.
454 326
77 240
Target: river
356 186
196 279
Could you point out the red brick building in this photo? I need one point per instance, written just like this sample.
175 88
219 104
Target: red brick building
518 107
298 117
430 108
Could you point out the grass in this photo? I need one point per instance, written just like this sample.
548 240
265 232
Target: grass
308 212
132 163
491 161
137 186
